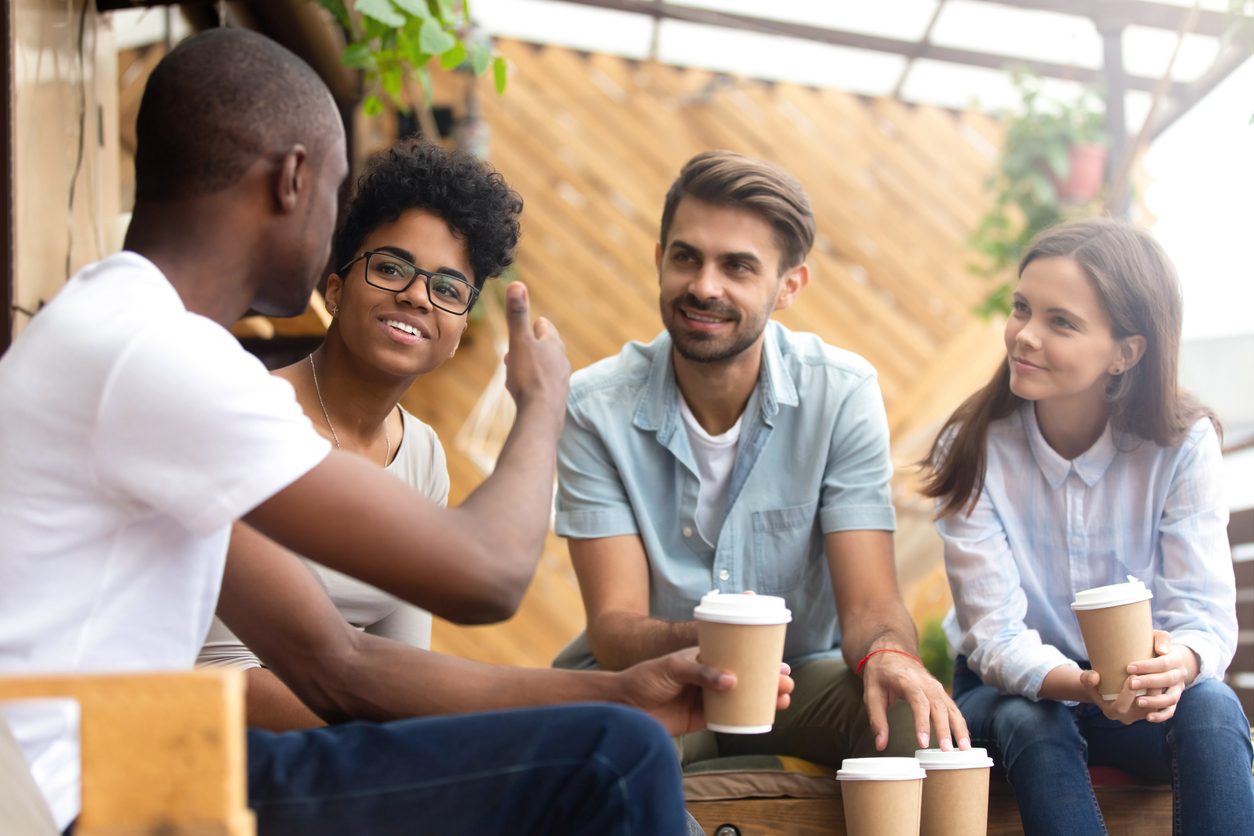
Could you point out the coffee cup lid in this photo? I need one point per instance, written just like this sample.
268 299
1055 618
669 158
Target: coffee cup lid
880 769
1100 597
742 608
972 758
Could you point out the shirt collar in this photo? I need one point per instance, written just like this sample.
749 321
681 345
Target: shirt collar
658 407
1090 465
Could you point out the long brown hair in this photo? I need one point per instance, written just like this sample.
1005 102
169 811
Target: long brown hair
1140 294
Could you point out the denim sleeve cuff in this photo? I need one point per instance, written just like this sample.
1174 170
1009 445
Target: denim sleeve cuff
585 524
1208 662
858 518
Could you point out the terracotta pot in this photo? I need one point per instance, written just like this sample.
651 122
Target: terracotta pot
1086 168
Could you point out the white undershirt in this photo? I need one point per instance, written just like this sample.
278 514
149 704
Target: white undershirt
715 455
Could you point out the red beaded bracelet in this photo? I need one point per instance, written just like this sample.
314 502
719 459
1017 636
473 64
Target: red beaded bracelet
862 664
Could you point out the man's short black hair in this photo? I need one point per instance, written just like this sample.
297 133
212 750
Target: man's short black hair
467 193
216 104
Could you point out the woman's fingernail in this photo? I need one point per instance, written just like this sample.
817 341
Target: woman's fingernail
1136 683
1142 703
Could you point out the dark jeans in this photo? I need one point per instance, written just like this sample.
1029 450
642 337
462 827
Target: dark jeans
1046 748
568 770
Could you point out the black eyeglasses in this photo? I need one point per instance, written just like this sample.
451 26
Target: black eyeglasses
395 275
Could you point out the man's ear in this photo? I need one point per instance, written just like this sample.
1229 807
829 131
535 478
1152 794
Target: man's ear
791 284
657 258
292 178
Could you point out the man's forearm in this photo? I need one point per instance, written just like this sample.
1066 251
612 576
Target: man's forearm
868 630
386 680
620 640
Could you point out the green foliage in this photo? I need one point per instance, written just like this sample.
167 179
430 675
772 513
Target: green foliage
390 39
1034 158
934 651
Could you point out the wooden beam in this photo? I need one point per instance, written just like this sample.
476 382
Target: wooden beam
6 174
874 43
1116 119
1237 51
1120 13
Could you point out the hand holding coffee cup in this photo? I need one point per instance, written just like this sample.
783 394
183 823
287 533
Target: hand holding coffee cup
744 634
1163 679
1118 629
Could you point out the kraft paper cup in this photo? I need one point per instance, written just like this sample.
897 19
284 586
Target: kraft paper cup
744 634
881 796
955 794
1118 628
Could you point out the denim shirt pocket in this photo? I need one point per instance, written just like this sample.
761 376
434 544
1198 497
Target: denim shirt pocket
784 542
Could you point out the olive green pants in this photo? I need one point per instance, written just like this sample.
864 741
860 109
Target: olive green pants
826 723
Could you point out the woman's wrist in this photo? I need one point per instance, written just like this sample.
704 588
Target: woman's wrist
1063 684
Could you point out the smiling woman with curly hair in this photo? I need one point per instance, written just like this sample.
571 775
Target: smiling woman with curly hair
424 230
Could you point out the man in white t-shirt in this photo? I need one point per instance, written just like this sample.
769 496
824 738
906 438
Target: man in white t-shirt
136 431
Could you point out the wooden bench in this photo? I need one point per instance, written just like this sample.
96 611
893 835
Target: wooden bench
1130 808
162 753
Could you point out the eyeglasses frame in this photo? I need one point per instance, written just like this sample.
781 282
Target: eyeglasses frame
426 275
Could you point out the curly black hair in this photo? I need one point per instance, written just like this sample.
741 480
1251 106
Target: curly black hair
471 197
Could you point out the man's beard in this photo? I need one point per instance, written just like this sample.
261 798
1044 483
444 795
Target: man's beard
707 348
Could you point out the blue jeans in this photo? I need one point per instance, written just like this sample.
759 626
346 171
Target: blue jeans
567 770
1046 748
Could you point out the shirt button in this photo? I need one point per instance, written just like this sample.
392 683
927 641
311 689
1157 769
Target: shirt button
723 574
687 531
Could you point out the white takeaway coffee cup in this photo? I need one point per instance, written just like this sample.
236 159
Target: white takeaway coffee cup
1118 628
881 796
742 633
955 794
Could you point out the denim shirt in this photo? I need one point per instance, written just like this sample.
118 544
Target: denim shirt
812 459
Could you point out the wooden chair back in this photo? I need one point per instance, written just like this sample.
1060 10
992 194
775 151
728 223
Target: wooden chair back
161 752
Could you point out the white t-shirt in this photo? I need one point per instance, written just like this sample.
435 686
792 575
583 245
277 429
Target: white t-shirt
133 434
715 456
419 462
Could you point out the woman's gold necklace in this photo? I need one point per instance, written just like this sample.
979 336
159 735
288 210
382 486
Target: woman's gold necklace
387 437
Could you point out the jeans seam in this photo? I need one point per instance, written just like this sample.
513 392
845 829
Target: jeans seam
1177 821
1083 754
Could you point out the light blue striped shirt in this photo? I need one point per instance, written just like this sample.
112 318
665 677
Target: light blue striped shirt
1046 527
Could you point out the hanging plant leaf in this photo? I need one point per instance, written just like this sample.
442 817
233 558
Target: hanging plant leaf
453 58
380 10
417 8
433 39
358 56
480 58
500 73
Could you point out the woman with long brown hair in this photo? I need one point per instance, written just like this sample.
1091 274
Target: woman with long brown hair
1081 464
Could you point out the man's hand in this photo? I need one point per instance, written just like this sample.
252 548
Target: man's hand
888 677
669 688
1163 678
536 366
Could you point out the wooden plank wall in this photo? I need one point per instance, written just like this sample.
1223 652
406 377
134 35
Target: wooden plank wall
592 142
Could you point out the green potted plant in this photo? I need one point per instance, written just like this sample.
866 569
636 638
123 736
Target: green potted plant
389 38
1051 167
